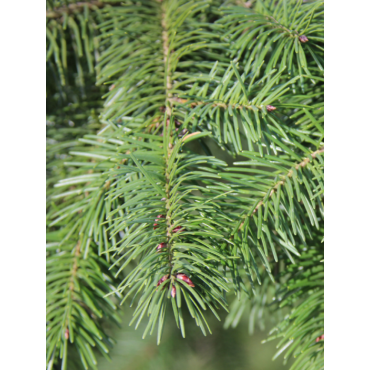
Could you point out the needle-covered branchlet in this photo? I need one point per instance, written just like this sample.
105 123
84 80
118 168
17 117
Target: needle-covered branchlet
302 164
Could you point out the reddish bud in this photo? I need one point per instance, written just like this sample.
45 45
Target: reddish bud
66 333
111 87
186 279
303 38
270 108
177 229
177 123
163 199
321 337
157 219
162 279
173 291
160 246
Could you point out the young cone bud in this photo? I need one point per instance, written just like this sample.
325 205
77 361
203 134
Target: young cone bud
162 279
186 279
155 225
161 246
321 337
303 38
177 229
173 291
270 108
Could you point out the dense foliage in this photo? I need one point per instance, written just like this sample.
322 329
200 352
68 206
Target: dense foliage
142 205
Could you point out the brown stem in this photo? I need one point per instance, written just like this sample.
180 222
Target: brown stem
75 266
166 128
71 287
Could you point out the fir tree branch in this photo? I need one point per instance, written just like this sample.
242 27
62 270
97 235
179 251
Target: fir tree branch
155 55
279 34
302 164
301 332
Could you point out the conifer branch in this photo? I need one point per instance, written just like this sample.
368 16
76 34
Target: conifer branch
138 199
302 164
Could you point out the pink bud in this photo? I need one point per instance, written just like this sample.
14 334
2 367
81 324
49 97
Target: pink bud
160 246
303 38
66 333
162 279
270 108
157 219
186 279
177 229
173 291
321 337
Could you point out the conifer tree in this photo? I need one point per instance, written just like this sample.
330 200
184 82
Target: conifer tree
144 101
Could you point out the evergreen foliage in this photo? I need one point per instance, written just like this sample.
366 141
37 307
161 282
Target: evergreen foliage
141 204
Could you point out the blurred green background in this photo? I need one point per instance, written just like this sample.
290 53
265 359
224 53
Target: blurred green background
233 349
